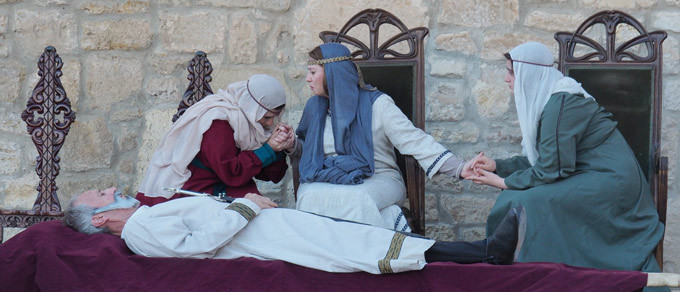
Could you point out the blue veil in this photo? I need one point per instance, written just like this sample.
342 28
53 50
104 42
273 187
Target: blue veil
351 108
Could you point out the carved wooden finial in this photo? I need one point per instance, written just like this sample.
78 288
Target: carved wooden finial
199 77
48 116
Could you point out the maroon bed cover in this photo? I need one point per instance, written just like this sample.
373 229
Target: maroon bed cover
52 257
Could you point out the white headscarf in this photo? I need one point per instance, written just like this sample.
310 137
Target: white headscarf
535 81
242 105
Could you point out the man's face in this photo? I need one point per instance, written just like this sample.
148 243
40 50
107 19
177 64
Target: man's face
97 198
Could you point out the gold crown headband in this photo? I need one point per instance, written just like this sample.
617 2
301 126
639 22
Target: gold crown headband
342 58
329 60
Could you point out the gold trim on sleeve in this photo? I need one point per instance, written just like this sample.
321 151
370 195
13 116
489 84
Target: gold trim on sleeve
242 209
392 253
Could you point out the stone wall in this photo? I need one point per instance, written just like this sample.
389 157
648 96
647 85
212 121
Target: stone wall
124 72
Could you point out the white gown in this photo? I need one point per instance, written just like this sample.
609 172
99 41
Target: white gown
204 228
374 201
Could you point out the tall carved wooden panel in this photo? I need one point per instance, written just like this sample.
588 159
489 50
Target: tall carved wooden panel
199 77
48 116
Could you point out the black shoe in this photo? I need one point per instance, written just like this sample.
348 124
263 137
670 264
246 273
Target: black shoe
501 245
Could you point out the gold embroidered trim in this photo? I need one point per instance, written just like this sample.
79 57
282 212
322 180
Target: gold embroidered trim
242 209
392 253
329 60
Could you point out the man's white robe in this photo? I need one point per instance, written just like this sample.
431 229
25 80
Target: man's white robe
204 228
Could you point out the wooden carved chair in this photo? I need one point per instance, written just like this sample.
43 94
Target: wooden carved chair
396 67
48 116
624 74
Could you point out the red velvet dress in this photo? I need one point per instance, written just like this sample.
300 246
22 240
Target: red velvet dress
230 166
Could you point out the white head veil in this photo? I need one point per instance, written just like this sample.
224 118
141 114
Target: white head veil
242 105
535 79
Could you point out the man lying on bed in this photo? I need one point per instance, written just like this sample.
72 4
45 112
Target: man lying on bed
200 227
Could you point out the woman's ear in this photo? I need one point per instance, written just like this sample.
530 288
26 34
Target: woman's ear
98 220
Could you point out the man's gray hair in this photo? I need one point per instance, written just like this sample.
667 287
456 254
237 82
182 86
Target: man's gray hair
79 217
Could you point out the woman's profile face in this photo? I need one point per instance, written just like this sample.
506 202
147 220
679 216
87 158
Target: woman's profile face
315 78
510 75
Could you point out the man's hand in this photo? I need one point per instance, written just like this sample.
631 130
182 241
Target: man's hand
260 201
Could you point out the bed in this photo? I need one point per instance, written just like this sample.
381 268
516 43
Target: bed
49 256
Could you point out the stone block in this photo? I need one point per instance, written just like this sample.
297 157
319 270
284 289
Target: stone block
11 122
273 5
467 209
4 49
89 145
3 24
671 98
431 211
495 44
181 32
479 13
122 34
448 68
461 132
10 157
319 15
167 64
112 79
19 193
45 3
33 30
673 2
671 56
11 77
447 104
505 130
440 231
165 89
10 1
126 114
553 22
116 6
128 135
666 20
156 123
616 4
473 233
270 189
456 42
491 94
242 40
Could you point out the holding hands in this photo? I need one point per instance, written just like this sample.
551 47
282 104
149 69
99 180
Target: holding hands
282 138
481 171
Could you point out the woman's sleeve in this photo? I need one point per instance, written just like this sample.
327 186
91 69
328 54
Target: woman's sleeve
233 167
505 167
169 236
563 122
409 139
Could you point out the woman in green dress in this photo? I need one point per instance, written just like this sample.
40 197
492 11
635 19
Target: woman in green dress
586 198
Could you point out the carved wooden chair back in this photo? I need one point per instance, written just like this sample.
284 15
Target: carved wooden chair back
48 116
396 67
620 64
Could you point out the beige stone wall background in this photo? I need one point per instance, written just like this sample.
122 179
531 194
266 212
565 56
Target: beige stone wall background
125 72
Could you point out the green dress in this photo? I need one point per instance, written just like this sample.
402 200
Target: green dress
587 201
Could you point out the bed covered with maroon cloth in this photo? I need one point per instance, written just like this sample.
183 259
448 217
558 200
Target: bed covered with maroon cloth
51 257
